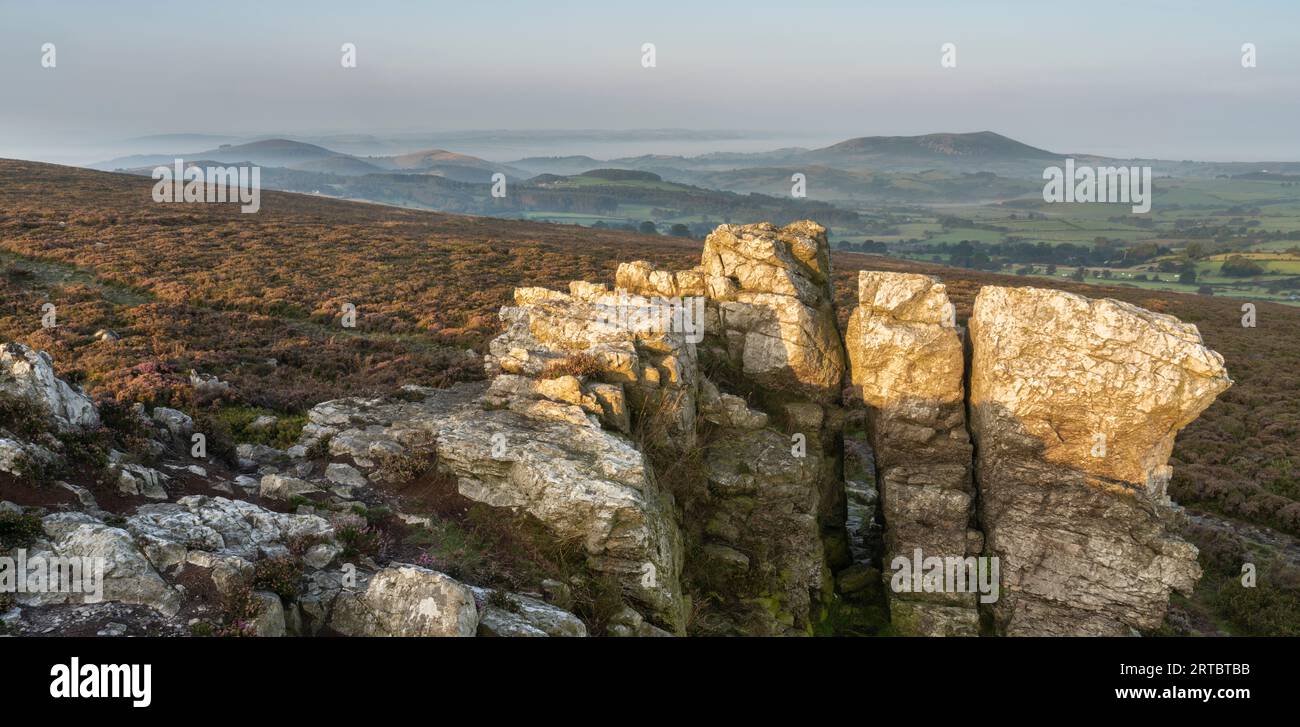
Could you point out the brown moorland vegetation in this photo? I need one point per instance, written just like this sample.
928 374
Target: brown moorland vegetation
255 299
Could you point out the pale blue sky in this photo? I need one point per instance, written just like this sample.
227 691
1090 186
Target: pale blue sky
1159 78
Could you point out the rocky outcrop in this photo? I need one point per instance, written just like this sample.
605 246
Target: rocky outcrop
29 375
1074 407
683 430
630 351
766 525
770 304
907 368
206 564
556 463
511 614
169 532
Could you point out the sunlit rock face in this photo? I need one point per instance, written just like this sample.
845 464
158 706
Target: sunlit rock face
635 354
773 294
907 368
765 521
1074 407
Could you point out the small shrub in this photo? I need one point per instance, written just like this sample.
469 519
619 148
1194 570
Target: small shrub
1269 608
356 536
127 431
301 543
19 530
21 416
578 364
283 434
239 611
498 598
281 575
599 600
407 466
459 552
1221 551
218 439
320 449
87 449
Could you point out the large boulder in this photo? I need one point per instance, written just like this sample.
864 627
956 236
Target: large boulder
29 375
1075 404
907 366
101 550
406 600
603 352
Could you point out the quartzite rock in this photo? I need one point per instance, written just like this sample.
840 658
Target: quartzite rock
29 375
406 600
1075 404
584 483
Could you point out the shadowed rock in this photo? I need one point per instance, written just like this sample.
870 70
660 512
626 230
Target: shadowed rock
907 366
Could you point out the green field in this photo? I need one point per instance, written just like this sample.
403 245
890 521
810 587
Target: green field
1217 217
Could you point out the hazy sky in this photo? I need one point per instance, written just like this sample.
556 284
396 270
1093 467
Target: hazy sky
1123 78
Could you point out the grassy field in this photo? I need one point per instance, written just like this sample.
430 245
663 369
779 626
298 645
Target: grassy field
1220 216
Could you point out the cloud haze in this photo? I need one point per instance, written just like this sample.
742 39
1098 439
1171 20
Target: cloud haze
1144 79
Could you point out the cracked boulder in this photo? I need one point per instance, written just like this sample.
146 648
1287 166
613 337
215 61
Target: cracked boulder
104 551
773 292
1075 403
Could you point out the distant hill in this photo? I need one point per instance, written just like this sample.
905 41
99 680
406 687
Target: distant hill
267 152
574 164
449 164
982 151
270 152
342 165
984 145
428 158
623 175
853 169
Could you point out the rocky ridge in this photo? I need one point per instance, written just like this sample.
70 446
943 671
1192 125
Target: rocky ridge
686 436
